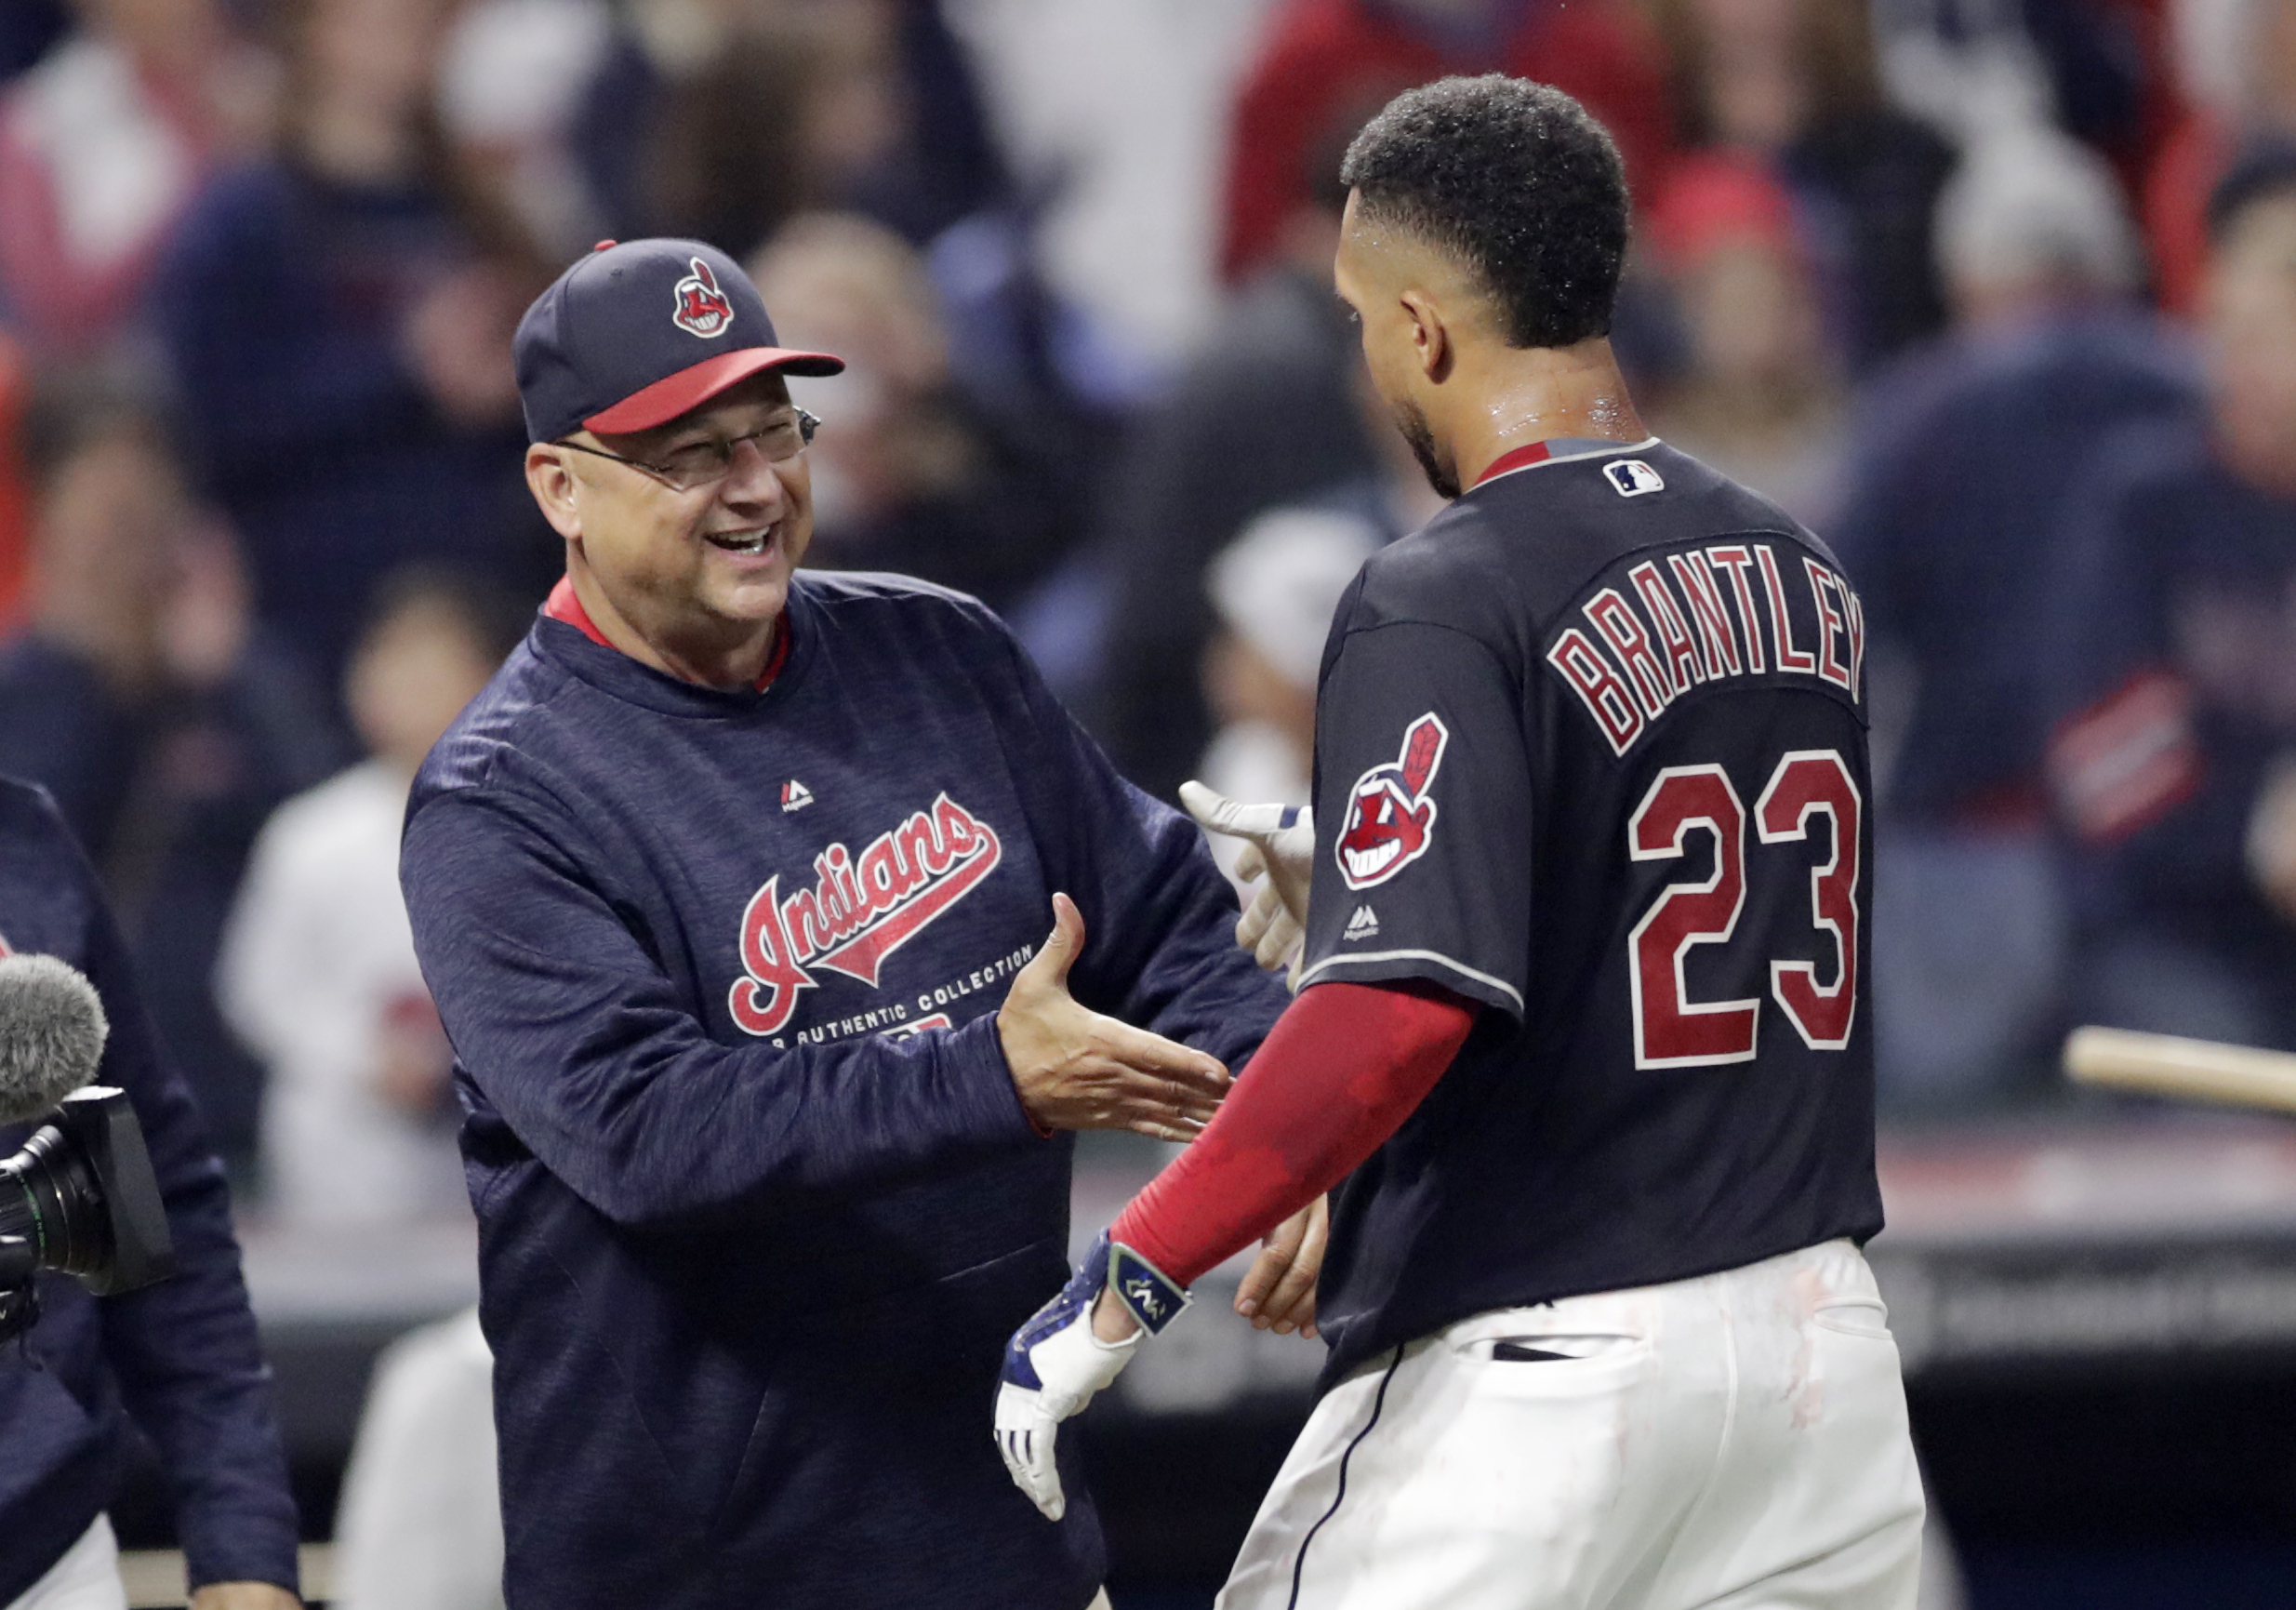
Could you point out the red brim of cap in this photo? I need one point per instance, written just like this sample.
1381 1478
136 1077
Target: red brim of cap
666 399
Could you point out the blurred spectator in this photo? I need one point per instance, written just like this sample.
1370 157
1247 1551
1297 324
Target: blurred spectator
1323 58
1966 453
1114 115
907 475
2239 66
515 78
339 321
1758 396
763 110
1793 82
784 115
419 1526
1274 590
102 146
1269 412
139 693
2175 651
2091 68
318 971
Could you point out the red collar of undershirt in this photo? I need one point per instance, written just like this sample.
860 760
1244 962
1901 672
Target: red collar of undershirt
563 605
1521 458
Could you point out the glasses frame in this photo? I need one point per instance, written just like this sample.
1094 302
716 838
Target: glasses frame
807 423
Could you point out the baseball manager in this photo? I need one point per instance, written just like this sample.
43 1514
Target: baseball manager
733 889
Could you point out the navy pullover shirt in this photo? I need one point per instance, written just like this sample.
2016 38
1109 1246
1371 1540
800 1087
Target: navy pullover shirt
179 1361
758 1203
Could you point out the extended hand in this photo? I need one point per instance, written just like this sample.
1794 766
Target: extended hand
1279 841
245 1596
1055 1364
1278 1292
1075 1069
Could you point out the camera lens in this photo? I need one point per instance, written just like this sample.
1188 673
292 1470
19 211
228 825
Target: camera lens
49 1196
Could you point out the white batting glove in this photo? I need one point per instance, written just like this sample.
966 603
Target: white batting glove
1280 840
1054 1365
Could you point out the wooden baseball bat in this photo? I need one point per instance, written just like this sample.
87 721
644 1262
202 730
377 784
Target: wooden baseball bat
2195 1069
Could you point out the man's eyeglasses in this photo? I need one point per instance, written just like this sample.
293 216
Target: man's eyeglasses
694 465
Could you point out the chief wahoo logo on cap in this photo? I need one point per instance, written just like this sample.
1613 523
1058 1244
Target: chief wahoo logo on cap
702 308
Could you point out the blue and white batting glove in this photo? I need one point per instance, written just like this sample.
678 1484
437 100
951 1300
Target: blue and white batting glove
1055 1364
1280 840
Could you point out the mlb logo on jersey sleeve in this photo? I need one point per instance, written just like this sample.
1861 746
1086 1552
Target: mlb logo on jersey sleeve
1391 818
1632 477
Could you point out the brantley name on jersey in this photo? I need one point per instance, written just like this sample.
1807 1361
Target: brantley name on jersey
1646 642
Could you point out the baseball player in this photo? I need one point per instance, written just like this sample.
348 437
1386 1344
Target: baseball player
1581 1020
731 888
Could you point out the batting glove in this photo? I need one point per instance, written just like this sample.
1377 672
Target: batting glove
1280 840
1055 1364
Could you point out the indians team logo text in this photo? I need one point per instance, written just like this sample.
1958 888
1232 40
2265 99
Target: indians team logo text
860 910
1391 819
702 308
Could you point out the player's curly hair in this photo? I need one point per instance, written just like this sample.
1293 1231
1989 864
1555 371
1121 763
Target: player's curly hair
1515 180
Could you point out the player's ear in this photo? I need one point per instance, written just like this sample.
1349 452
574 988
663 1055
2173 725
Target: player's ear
550 479
1430 336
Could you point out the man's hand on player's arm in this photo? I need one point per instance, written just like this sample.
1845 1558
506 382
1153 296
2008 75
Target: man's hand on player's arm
1078 1068
1278 1291
1056 1362
1279 841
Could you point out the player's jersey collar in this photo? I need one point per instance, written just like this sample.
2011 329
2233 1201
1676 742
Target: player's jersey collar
1556 450
565 605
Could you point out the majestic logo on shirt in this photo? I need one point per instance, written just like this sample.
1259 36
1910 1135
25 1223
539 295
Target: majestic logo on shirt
702 308
795 797
1363 925
1389 817
1632 477
860 910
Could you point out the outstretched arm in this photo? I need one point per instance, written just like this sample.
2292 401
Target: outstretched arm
576 1035
1343 1070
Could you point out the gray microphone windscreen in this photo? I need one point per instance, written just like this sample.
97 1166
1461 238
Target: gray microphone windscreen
52 1031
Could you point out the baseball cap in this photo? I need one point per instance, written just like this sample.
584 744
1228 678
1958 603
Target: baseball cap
641 332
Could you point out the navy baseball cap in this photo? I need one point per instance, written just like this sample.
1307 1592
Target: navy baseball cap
641 332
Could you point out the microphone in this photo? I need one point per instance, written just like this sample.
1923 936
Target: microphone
85 1201
52 1031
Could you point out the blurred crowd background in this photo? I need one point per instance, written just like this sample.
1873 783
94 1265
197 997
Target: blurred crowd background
1999 296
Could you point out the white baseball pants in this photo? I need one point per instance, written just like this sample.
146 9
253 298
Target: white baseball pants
87 1577
1737 1442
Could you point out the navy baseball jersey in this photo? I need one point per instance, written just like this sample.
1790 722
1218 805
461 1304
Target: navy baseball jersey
758 1203
1591 752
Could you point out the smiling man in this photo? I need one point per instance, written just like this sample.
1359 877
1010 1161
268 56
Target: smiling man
732 889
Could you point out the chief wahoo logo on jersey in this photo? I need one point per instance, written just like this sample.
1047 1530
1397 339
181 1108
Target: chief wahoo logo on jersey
702 308
1391 818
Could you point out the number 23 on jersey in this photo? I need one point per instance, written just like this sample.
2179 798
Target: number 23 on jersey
1810 792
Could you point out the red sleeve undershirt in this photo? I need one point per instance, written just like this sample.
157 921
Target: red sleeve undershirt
1344 1065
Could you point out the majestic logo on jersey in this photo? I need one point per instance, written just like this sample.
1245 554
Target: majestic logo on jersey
860 910
1632 477
702 308
1363 925
795 795
1389 817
